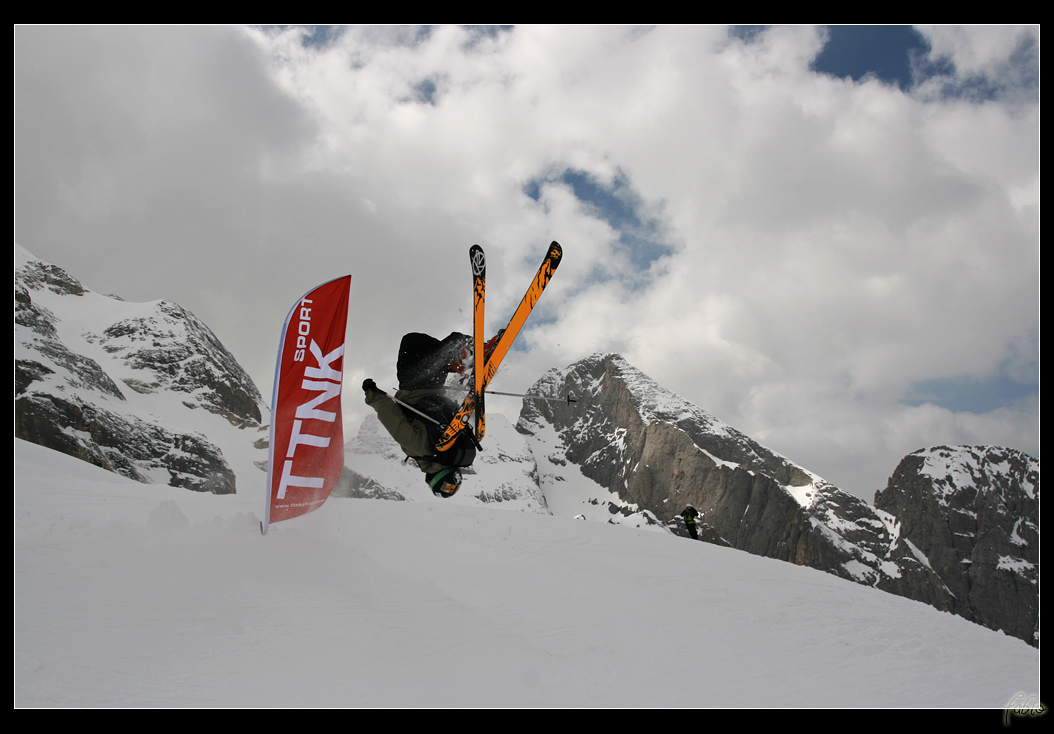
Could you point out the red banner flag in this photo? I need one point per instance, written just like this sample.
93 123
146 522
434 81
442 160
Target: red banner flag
307 438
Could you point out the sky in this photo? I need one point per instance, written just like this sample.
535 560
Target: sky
825 236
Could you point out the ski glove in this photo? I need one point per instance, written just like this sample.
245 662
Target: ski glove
370 388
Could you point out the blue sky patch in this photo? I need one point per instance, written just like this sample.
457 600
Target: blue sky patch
640 234
477 34
902 56
882 51
320 36
972 394
425 91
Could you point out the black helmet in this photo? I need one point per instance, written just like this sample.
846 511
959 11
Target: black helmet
445 482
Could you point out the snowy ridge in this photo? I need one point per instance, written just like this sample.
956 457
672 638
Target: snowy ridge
655 402
957 468
143 389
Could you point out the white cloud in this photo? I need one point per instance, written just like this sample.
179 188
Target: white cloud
831 243
978 49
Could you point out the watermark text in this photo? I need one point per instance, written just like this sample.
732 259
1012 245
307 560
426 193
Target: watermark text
1023 705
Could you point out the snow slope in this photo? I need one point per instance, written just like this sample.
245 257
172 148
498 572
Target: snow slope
133 595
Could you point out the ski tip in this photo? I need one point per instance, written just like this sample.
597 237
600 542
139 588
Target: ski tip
478 260
555 251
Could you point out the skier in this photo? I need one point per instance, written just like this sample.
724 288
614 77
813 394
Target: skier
689 514
420 418
423 365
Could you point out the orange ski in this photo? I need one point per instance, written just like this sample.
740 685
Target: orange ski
484 369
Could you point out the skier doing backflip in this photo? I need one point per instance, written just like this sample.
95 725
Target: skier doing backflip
440 436
423 365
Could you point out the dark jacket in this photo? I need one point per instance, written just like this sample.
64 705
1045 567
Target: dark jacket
423 365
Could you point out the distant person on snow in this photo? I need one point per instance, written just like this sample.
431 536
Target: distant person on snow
690 514
423 365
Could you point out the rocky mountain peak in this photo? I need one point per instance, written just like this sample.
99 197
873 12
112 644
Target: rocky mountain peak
973 512
94 374
658 451
625 423
612 392
36 274
175 351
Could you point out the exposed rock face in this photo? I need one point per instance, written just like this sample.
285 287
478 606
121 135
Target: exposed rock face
122 444
116 383
973 513
660 452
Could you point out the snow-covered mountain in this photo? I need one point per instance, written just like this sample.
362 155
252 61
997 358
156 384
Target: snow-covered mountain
972 514
658 452
142 389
